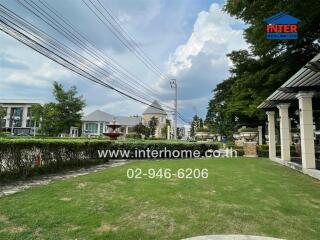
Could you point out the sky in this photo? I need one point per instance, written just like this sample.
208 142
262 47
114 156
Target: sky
187 39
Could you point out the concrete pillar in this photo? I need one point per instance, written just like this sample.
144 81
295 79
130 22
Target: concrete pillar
306 129
168 132
290 129
260 134
8 117
272 134
127 130
24 116
284 131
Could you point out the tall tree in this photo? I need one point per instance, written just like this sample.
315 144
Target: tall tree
257 74
57 117
153 123
3 114
195 124
69 107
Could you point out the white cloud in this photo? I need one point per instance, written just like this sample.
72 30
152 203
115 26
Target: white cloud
201 63
212 34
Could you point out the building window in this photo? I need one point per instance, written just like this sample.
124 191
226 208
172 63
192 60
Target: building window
16 117
101 128
91 127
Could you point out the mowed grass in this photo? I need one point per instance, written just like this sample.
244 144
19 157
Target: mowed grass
241 196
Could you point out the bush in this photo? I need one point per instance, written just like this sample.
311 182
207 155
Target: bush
263 151
203 130
239 150
133 136
248 130
24 157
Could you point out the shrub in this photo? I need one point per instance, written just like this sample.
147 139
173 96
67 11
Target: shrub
133 136
24 157
203 130
263 151
239 150
248 130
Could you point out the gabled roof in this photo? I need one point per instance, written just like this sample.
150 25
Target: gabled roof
128 121
154 108
101 116
282 18
98 115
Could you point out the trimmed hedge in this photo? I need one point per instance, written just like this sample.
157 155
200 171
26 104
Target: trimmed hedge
263 151
24 157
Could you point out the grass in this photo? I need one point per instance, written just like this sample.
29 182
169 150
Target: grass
241 196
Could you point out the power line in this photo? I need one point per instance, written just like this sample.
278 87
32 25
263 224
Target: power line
73 39
113 64
122 38
26 33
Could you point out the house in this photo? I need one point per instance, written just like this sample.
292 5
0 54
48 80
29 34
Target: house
96 122
155 110
18 119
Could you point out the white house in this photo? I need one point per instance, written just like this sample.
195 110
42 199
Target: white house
18 118
96 122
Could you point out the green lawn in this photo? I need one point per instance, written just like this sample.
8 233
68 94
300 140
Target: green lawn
241 196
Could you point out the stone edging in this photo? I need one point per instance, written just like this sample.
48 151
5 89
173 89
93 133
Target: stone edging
21 185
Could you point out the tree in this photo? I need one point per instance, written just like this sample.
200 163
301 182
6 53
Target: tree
255 75
153 123
57 117
165 128
68 108
195 124
142 130
3 114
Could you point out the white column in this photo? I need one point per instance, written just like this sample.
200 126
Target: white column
8 117
284 131
168 132
272 134
127 130
260 134
24 116
290 129
306 129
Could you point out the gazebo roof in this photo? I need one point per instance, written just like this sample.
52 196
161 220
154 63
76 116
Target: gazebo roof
306 79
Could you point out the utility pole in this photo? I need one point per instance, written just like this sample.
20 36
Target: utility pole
173 84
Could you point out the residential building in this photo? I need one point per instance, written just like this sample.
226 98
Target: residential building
18 118
155 110
95 123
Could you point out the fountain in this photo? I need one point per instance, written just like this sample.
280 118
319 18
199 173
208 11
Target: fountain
113 134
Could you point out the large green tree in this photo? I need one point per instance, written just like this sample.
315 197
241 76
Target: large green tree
3 113
57 117
69 107
269 63
153 123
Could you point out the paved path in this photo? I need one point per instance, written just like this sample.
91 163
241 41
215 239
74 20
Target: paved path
231 237
18 186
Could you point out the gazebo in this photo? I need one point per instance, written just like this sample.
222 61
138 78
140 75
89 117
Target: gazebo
300 92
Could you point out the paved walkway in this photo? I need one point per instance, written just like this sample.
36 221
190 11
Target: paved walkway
18 186
231 237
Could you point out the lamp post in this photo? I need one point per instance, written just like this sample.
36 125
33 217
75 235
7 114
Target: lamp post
173 84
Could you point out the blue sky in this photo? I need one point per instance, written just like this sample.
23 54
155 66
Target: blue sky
187 39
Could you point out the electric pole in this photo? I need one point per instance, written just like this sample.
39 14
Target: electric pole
173 84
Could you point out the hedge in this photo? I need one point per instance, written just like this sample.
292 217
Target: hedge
25 157
263 151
